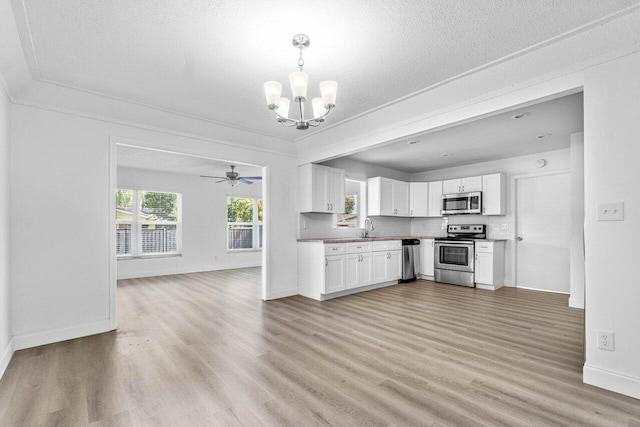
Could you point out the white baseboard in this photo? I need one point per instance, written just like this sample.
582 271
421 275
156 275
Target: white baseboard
23 341
576 302
6 356
283 293
509 283
154 273
487 287
609 380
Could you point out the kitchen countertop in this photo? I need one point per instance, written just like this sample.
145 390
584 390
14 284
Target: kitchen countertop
362 239
372 239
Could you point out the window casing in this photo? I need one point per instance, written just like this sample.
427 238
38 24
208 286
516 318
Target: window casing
354 205
244 223
148 223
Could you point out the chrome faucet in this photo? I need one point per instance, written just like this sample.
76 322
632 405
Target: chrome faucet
366 229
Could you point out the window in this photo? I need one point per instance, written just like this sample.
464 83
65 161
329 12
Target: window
244 223
147 223
353 205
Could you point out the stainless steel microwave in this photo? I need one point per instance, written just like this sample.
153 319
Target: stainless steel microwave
462 203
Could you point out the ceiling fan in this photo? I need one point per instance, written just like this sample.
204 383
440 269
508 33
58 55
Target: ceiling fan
233 177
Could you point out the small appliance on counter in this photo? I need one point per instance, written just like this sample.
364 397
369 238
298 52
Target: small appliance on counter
454 254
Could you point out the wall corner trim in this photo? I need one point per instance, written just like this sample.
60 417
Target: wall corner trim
6 356
613 381
282 293
576 302
23 341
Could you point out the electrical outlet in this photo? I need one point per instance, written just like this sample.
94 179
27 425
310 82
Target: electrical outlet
610 212
504 226
606 340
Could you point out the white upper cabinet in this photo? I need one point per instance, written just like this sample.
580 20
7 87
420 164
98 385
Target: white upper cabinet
418 199
387 197
435 198
494 188
321 189
401 198
462 185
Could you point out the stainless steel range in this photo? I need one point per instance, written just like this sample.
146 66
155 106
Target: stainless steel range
454 254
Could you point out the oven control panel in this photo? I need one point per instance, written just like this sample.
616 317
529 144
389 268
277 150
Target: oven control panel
469 228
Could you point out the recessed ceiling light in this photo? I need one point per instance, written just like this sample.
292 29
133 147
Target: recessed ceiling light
412 142
520 115
543 136
446 154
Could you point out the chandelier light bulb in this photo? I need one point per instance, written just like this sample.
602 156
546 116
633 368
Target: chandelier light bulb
283 109
329 90
318 107
273 92
298 80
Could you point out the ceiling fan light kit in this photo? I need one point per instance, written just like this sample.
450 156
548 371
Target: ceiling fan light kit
299 84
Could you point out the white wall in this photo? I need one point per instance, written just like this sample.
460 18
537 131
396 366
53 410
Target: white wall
556 160
6 346
576 274
61 195
204 224
611 153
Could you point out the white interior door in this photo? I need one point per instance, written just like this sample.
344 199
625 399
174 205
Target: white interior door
543 232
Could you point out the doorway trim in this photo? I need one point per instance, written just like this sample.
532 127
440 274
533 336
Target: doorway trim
514 201
114 141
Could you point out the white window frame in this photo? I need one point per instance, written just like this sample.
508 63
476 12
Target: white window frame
137 224
255 224
362 205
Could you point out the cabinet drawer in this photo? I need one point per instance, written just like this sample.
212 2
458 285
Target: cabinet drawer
484 247
387 245
334 249
357 248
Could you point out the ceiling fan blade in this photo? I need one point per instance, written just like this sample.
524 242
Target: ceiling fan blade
252 177
244 181
222 180
215 177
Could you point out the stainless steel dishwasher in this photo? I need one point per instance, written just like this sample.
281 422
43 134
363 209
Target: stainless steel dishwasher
410 260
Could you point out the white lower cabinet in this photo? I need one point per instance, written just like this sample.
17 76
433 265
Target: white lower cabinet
325 269
388 261
427 264
358 265
489 265
334 277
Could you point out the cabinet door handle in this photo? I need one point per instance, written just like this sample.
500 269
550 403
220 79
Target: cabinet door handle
326 262
327 206
476 257
331 204
484 210
411 212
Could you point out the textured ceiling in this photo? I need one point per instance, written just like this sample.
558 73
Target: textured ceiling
496 137
209 59
139 158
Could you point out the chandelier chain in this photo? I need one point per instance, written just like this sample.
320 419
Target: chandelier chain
300 60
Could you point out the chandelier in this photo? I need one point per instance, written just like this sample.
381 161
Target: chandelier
298 80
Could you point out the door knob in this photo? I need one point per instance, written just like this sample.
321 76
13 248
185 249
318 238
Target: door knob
519 239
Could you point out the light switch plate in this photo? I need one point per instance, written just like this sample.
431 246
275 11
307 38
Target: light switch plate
504 226
610 212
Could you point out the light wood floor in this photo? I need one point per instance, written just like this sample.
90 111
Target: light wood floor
203 349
